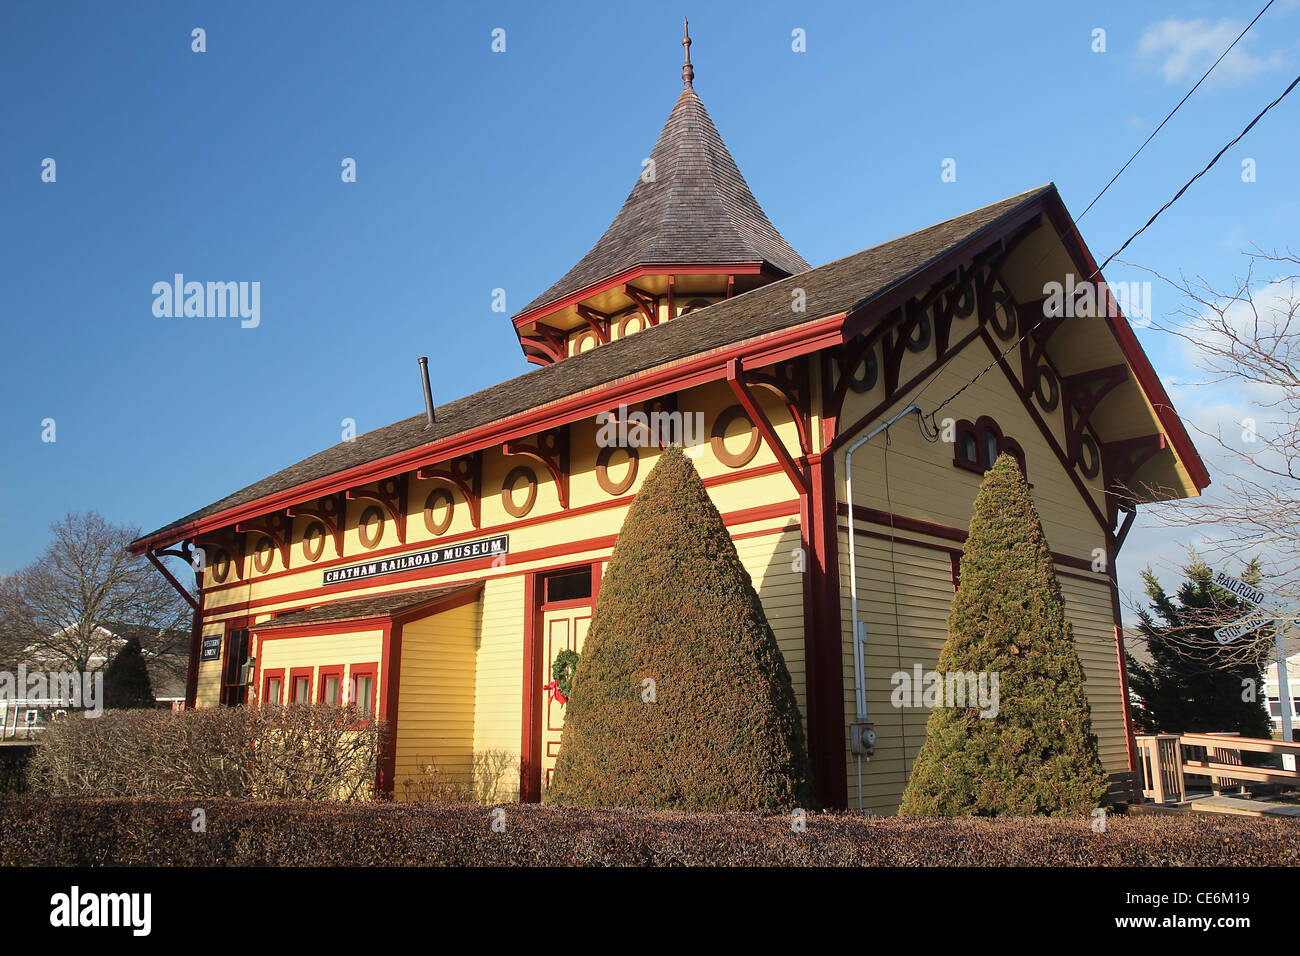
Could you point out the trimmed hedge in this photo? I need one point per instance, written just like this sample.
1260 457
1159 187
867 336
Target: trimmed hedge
35 832
1037 754
677 607
298 752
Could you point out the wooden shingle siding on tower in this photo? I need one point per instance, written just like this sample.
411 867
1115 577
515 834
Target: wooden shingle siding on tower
693 304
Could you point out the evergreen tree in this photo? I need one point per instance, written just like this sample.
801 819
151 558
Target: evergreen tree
1191 685
718 728
1037 755
126 679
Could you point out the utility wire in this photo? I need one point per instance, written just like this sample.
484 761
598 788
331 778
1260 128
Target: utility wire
1104 189
1174 110
1178 195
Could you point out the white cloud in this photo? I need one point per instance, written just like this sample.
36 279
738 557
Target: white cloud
1184 49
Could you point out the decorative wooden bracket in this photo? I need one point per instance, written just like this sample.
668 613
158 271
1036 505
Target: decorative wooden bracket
278 527
186 554
389 495
465 473
958 302
1036 328
735 379
230 542
647 302
598 321
832 391
667 405
895 345
549 341
847 358
790 384
1083 392
330 511
962 300
663 405
1130 512
551 449
1121 460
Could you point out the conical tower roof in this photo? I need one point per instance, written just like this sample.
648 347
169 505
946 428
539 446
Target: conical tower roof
690 206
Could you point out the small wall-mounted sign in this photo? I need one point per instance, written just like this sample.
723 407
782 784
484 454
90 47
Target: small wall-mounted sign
449 554
211 648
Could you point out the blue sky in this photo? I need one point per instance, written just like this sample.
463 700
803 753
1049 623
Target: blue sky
479 170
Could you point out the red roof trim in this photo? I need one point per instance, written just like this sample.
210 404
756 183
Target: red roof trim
768 349
1137 359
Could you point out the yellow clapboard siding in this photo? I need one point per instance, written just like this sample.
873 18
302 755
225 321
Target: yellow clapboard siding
436 698
913 631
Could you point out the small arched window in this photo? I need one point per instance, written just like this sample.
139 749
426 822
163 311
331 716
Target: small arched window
978 444
968 451
990 440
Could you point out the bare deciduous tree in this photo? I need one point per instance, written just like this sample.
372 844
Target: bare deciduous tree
72 605
1247 337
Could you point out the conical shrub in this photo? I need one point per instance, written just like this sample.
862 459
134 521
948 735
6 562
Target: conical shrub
126 679
1037 755
681 699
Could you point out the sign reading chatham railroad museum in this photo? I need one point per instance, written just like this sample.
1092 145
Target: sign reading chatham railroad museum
483 548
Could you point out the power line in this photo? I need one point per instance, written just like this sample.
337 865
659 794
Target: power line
1104 189
1173 111
1178 195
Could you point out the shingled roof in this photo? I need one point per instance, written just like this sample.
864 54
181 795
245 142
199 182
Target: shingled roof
375 606
696 209
835 287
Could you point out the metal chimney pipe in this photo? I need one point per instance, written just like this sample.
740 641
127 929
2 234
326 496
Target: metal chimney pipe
428 392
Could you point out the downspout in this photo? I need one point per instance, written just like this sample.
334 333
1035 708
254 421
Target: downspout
860 627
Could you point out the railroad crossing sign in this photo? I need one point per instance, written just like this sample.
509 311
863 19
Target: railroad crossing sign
1247 592
1271 610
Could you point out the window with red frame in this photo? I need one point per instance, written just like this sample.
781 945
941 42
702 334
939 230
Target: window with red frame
273 687
574 585
361 689
979 443
331 686
300 685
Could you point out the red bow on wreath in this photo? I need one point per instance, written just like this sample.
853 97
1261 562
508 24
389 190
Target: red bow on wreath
556 694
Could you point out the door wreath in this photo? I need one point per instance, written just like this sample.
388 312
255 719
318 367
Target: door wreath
562 671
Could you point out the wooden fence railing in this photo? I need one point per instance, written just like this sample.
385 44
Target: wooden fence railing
1165 763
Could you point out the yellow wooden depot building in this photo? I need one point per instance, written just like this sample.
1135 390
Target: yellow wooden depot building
429 571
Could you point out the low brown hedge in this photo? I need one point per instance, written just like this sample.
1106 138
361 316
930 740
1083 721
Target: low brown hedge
298 752
68 831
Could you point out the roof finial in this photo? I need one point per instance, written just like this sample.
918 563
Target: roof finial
688 71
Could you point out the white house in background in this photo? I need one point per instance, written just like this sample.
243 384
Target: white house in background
24 718
1271 693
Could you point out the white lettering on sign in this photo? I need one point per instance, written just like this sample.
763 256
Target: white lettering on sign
1240 588
1243 627
450 554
